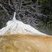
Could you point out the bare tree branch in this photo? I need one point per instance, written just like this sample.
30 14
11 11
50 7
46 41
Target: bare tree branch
4 9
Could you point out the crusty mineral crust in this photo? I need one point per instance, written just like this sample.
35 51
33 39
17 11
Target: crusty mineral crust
25 43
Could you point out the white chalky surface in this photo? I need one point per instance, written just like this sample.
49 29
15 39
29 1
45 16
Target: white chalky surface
15 26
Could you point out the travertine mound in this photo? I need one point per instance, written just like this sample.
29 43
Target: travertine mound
25 43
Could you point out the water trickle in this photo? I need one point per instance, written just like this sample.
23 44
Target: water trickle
15 26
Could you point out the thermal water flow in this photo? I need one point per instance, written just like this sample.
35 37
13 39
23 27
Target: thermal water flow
15 26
